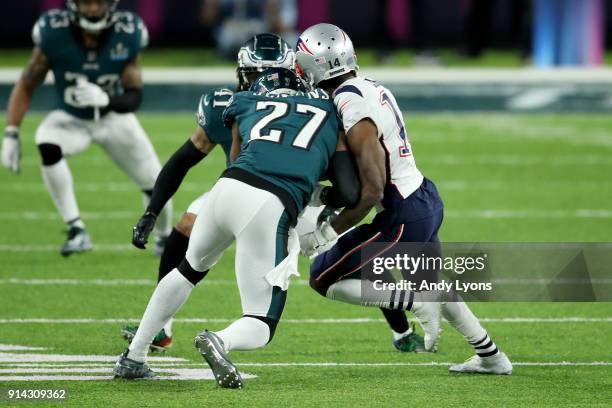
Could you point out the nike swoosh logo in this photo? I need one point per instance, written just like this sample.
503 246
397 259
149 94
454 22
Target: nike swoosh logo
206 100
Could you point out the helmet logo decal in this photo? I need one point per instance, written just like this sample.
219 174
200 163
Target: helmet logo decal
301 46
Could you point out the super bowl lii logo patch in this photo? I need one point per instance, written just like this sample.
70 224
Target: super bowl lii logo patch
120 52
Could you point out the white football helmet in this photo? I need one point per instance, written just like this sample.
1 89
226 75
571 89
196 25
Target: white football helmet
324 51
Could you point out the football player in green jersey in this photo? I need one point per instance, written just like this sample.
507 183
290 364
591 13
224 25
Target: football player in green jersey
259 53
93 51
284 138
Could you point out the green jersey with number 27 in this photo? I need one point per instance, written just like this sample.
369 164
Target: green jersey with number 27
286 140
62 43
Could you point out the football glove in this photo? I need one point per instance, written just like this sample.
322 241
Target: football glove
11 149
88 94
316 198
310 243
142 230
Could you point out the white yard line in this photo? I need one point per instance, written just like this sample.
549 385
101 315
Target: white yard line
63 358
428 364
34 369
55 248
116 282
228 282
494 160
543 214
503 320
15 347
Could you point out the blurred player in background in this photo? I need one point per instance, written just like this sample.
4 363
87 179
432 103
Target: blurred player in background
283 140
408 204
259 53
93 51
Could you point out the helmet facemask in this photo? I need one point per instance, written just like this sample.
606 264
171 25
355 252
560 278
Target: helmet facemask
260 53
278 81
92 24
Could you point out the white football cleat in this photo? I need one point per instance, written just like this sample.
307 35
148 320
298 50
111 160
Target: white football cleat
497 364
78 241
427 311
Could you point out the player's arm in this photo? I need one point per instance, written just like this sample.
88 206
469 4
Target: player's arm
168 181
131 81
235 149
21 96
31 78
342 172
370 158
88 94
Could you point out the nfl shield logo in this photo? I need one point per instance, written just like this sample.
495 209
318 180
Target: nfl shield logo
319 60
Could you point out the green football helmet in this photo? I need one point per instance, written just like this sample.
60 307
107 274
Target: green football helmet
278 81
261 52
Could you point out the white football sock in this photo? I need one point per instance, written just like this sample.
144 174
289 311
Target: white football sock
246 333
58 180
350 291
168 327
397 336
163 225
171 293
459 315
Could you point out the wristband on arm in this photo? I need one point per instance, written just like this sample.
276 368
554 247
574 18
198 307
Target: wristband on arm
128 101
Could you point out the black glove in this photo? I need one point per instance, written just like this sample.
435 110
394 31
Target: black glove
142 230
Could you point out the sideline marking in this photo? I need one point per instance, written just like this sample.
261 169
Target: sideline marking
303 321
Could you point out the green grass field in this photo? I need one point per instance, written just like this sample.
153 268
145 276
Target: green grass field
502 177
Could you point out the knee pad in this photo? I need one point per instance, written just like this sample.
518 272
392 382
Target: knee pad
271 323
189 273
50 153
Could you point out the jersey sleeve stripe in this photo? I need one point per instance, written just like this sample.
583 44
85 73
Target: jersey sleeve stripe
348 88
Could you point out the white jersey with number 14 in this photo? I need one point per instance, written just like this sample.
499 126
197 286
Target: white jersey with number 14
360 98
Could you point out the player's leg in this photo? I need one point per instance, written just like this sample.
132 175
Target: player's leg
176 244
262 231
488 358
404 337
208 241
58 136
336 274
126 142
173 254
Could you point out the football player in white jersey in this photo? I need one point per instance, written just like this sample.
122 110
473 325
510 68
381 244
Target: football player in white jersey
408 204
